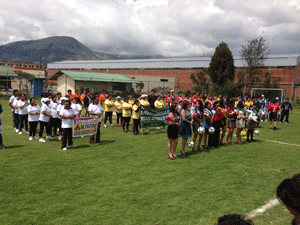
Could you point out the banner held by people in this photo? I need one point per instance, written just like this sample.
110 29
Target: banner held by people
154 117
84 126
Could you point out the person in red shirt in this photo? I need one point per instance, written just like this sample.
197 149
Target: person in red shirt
168 98
217 123
273 110
179 98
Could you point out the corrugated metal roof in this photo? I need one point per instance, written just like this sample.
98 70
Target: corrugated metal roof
168 63
90 76
7 71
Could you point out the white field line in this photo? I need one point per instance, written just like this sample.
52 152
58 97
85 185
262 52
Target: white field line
278 142
256 212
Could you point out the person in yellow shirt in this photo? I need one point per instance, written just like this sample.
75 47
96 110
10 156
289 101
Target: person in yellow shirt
224 119
136 116
130 101
108 110
159 103
248 103
118 106
144 102
127 107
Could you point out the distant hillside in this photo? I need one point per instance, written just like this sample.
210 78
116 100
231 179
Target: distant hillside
50 49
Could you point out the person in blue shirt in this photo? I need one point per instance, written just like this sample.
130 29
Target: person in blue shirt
286 106
1 140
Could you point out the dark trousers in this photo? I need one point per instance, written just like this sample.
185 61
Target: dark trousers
15 125
42 126
59 125
126 121
54 123
119 118
32 128
23 119
67 135
285 113
136 123
213 140
1 141
109 116
92 137
17 121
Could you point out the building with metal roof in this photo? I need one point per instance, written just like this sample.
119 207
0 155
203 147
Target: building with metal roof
168 63
75 80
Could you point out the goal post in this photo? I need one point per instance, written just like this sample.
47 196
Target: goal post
270 93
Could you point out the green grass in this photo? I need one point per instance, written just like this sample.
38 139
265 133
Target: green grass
130 180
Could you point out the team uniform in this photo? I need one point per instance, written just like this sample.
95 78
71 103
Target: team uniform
66 125
136 116
96 108
23 115
126 114
286 107
118 106
12 99
108 111
44 122
33 120
273 109
16 114
54 120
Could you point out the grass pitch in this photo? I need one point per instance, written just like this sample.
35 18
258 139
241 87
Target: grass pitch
130 179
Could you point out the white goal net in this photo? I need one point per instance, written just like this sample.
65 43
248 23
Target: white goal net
270 93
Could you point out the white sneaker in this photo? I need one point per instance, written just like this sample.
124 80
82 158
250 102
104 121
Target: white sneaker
49 137
57 129
141 130
279 121
17 130
30 138
35 137
105 125
82 136
285 122
20 132
42 140
111 125
65 149
157 128
59 138
73 146
27 132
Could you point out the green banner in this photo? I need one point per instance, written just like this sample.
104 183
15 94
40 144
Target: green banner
154 117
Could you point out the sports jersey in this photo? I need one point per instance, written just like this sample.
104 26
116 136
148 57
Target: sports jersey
95 108
273 108
67 123
158 104
12 99
136 115
33 108
118 105
45 118
24 110
126 112
108 102
286 106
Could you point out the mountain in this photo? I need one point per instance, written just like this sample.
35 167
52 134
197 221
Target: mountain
50 49
54 49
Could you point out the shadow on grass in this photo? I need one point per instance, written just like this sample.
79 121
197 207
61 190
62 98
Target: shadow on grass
107 142
83 146
15 146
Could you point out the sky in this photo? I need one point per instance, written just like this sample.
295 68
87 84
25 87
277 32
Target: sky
171 28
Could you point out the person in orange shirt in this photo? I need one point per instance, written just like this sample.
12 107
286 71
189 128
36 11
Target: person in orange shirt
82 96
76 95
70 94
102 97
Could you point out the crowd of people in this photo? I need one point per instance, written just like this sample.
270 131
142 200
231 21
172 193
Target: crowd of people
194 111
189 113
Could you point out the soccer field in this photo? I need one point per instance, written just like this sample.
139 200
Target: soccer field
130 179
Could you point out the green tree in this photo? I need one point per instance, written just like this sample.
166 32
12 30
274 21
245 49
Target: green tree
23 76
270 81
221 70
201 81
254 56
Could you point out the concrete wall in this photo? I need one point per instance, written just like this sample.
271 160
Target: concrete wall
64 84
98 86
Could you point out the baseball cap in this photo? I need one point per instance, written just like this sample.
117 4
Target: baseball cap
118 97
143 95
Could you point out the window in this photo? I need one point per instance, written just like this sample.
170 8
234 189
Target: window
163 80
118 86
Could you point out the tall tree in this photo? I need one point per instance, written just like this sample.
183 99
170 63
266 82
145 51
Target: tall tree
221 69
253 54
201 81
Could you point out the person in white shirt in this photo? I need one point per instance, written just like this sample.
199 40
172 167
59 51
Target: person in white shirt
17 117
67 115
23 113
60 107
77 106
95 109
33 118
44 119
54 120
10 103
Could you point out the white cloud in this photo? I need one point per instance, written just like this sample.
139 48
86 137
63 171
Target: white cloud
146 27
